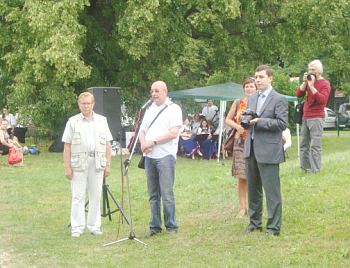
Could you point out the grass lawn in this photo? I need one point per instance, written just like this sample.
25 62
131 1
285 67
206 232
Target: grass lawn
35 207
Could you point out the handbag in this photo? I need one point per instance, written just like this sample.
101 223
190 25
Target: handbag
230 141
14 156
141 163
228 145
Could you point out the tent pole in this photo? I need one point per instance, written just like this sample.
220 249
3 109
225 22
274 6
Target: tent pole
221 126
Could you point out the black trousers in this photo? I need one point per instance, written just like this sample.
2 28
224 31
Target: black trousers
4 149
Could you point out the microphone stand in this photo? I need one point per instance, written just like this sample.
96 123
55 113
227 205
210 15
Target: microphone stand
132 235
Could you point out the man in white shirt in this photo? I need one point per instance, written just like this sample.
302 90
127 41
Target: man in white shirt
159 143
210 111
87 158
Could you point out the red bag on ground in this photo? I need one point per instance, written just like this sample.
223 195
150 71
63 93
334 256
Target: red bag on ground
14 156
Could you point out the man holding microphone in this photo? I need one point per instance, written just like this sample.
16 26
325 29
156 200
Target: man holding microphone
159 136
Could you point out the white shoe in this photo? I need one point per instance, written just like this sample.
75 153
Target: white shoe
76 234
96 232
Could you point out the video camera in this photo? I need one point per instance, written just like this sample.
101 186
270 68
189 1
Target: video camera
247 115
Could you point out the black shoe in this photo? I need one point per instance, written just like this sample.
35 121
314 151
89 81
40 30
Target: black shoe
151 233
272 233
251 229
171 231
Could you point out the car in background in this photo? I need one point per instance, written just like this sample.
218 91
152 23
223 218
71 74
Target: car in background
330 119
344 115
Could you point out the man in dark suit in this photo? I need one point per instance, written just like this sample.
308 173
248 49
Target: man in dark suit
263 151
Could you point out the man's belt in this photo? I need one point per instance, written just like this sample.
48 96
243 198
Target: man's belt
91 154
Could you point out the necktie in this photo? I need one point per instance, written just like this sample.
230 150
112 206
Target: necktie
261 100
258 108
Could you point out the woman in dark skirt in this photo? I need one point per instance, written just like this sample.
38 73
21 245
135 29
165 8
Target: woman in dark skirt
206 144
188 143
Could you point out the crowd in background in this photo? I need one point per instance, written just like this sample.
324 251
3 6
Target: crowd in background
7 131
11 135
199 134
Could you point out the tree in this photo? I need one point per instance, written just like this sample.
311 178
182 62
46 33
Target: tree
53 50
43 57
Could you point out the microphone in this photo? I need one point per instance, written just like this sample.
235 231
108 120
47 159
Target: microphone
147 104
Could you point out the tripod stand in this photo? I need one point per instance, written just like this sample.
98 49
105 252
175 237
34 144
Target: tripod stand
132 235
106 211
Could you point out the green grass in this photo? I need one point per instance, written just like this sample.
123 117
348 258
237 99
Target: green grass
35 207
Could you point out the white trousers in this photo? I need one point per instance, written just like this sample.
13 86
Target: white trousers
90 180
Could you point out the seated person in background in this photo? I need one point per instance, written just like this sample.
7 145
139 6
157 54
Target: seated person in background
206 143
196 121
5 142
203 127
186 128
189 145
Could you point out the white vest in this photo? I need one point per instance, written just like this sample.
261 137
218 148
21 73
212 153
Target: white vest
79 152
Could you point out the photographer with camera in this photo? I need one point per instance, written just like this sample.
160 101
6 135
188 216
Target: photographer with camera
263 151
315 90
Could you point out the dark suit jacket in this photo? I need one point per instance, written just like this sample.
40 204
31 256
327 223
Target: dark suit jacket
272 121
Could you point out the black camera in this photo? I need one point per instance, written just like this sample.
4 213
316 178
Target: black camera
309 76
247 115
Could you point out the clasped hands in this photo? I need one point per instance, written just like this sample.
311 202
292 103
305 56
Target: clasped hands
147 146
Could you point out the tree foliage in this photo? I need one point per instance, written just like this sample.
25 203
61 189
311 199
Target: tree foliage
53 50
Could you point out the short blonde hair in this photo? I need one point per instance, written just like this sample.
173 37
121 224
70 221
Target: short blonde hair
86 94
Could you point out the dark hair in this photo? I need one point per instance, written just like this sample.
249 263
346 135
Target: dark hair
248 81
265 68
203 120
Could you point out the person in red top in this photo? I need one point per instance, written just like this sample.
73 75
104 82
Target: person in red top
316 91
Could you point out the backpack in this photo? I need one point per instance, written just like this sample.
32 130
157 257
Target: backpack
14 156
33 150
